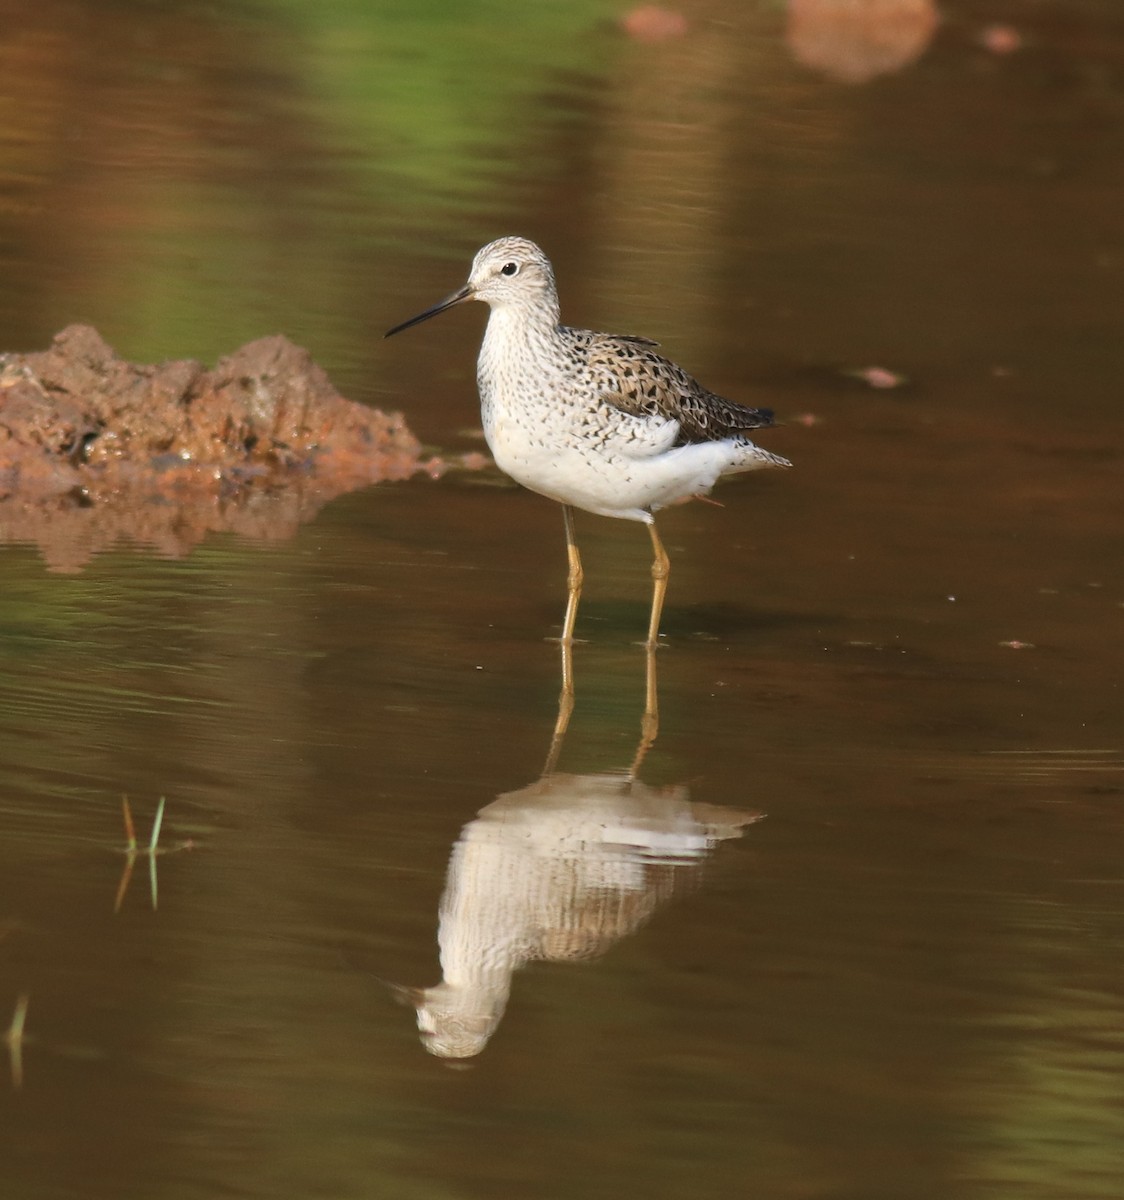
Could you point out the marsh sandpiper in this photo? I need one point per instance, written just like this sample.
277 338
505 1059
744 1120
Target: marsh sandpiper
597 421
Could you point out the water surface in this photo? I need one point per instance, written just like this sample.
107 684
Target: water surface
904 980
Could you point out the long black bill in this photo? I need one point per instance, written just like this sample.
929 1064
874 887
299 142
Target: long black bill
464 293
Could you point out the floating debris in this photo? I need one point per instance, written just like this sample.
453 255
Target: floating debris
1001 39
876 377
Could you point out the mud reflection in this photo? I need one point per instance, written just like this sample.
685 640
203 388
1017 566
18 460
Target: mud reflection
558 871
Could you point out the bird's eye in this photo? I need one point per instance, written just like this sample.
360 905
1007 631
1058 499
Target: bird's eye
511 268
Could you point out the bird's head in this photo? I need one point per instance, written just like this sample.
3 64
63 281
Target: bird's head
509 272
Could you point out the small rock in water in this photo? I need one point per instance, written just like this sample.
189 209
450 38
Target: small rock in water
650 23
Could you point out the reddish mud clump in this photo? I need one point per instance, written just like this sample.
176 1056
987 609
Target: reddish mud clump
94 450
855 41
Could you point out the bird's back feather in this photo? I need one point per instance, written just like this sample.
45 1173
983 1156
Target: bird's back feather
634 378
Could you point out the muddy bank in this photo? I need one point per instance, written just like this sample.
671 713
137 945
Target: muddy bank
95 450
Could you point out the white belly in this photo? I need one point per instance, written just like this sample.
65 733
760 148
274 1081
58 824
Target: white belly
591 474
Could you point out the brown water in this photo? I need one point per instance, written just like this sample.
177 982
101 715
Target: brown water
905 981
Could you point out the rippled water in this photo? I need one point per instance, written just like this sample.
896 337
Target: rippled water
904 980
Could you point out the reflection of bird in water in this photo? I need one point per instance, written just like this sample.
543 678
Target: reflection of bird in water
555 872
596 421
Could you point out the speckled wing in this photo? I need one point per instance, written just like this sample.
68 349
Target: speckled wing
638 381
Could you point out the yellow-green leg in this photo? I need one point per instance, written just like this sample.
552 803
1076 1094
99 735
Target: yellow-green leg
574 589
661 568
573 578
